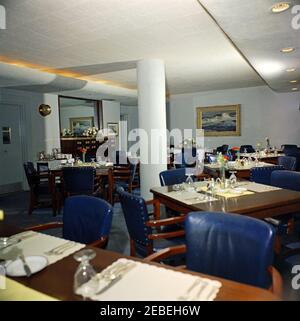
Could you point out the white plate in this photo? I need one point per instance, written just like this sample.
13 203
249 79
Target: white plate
35 263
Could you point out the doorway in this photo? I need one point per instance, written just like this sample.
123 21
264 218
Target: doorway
11 170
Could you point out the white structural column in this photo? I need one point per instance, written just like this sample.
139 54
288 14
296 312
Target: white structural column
152 120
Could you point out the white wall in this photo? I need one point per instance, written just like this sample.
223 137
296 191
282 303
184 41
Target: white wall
38 133
264 113
133 119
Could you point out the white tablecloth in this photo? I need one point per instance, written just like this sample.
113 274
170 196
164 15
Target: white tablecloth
145 282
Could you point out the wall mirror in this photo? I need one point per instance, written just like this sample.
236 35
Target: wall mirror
79 117
80 120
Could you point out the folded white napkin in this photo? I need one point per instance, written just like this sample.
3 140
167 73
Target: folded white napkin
146 282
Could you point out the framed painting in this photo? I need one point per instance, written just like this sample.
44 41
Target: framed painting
113 128
220 120
80 124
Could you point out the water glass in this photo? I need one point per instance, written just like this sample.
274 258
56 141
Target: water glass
84 273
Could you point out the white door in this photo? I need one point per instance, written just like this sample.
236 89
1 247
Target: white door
11 168
124 131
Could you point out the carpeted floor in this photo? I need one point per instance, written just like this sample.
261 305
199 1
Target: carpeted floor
15 206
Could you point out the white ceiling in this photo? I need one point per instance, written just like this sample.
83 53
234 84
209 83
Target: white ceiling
260 34
112 35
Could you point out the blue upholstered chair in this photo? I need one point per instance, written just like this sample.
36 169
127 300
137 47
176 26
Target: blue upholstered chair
288 162
262 175
41 194
247 149
222 149
79 180
86 219
287 180
230 246
289 147
293 151
146 234
172 176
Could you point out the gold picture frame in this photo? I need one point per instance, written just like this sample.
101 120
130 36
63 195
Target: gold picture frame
79 124
224 120
113 128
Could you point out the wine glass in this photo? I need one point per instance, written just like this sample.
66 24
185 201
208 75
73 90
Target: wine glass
84 273
189 179
233 179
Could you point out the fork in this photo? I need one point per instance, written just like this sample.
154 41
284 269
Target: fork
60 249
186 296
202 287
114 276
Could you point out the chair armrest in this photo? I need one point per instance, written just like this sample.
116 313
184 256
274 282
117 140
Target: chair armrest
165 221
276 286
167 252
156 206
43 227
101 243
166 235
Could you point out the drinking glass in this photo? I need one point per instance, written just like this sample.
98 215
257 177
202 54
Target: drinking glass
233 179
189 179
84 273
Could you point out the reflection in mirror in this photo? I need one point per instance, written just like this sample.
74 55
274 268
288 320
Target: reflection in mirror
78 117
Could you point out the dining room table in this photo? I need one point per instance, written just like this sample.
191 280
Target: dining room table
241 168
55 282
271 158
248 198
103 170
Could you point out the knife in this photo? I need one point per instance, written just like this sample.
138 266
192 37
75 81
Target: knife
26 266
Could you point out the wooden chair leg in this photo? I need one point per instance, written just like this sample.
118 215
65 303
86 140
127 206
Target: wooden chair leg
277 245
132 248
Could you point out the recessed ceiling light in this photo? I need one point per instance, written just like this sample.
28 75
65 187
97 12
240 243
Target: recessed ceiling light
280 7
294 89
293 81
291 69
287 50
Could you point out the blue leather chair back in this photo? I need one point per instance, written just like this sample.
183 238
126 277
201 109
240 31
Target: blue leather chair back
286 179
288 162
31 174
222 149
289 147
247 149
79 180
230 246
86 218
262 175
136 214
172 176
